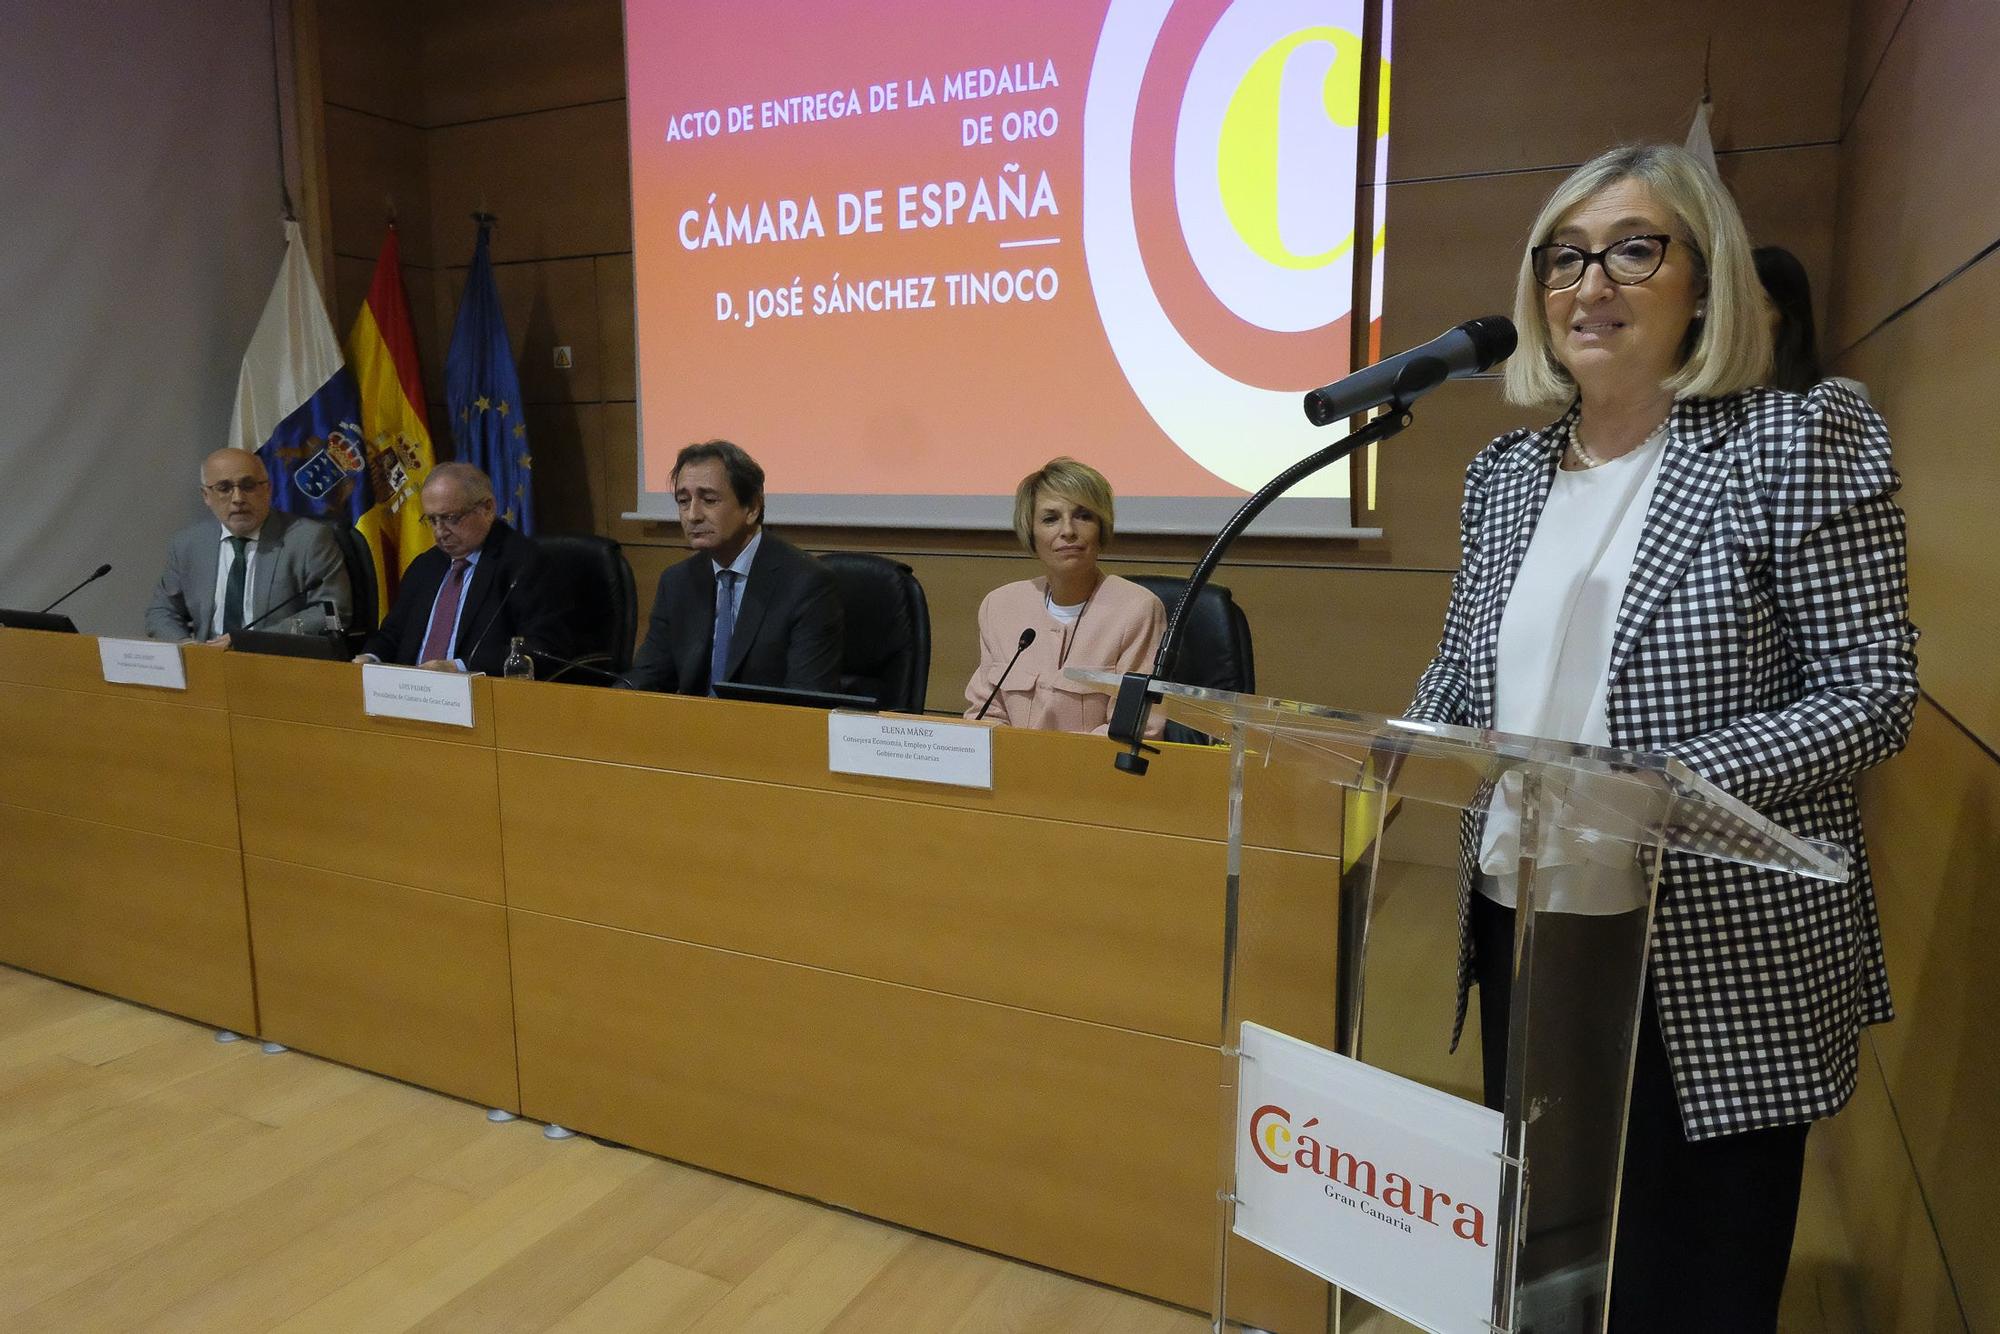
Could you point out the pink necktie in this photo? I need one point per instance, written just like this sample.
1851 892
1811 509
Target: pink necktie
437 641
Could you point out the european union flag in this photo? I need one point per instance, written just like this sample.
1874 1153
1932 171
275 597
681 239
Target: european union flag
483 393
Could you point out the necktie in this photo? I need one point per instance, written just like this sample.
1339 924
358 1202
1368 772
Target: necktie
725 626
232 593
437 640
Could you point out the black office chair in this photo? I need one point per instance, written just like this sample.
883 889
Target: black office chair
1215 645
591 580
888 636
359 559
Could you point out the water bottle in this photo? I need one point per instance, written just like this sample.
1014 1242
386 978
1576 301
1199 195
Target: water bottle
519 666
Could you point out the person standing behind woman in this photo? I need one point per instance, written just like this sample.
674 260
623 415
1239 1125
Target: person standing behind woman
1081 616
1688 564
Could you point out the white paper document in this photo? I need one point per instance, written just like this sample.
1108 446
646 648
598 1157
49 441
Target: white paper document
416 695
916 749
142 662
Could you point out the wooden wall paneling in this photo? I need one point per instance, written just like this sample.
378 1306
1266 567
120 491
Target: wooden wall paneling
157 920
559 182
1931 374
1788 197
1870 26
1068 1144
1899 1274
403 809
1920 165
370 161
487 58
132 763
1497 87
1933 818
371 57
548 304
409 984
566 442
967 902
618 338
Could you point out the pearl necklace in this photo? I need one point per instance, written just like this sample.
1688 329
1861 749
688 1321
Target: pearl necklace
1590 460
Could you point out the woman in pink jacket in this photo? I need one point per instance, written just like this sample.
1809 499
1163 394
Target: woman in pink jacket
1081 616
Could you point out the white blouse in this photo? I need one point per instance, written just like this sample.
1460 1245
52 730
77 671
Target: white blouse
1553 667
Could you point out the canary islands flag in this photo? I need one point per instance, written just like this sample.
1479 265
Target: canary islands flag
484 394
296 404
382 349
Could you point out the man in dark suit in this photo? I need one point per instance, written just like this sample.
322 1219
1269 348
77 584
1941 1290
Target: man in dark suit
221 579
465 599
746 606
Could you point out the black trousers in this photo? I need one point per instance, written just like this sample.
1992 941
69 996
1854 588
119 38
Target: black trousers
1704 1229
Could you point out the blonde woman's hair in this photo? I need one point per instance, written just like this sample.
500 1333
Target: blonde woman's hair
1078 483
1727 350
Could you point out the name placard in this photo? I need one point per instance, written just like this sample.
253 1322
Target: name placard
142 662
417 695
915 749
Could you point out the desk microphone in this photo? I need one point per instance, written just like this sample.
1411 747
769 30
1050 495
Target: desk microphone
1027 638
294 600
96 574
491 621
568 665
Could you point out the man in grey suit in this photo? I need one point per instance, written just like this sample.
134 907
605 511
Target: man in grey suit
219 580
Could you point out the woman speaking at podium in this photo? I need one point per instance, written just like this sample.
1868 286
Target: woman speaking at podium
1686 563
1079 615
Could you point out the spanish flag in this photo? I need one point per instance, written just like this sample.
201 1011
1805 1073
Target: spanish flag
382 351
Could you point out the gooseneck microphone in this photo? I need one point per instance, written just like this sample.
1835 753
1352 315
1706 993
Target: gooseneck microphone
491 621
95 575
567 665
1402 379
1027 638
294 600
1469 349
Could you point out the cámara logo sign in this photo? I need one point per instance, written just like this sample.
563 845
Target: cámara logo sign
1388 1195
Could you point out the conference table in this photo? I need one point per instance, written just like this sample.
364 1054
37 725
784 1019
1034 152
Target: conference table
990 1015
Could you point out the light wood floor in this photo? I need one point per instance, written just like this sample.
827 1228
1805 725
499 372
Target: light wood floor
153 1179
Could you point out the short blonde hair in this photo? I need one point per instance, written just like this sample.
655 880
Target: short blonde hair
1078 483
1728 350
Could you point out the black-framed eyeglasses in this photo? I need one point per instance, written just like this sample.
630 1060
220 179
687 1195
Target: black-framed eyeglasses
1627 261
249 486
451 520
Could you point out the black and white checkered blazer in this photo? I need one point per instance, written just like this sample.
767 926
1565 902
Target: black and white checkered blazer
1765 641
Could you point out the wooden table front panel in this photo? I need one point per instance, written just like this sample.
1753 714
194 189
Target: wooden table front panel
142 759
156 920
1110 925
1084 1147
410 810
1051 775
393 979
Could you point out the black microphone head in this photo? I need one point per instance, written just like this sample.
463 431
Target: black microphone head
101 571
1493 339
1027 638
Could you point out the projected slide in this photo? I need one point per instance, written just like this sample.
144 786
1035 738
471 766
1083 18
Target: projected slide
906 251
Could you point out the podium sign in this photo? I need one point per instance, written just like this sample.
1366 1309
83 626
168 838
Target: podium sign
1384 1186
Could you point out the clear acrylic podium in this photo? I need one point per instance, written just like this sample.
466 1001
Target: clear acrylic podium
1572 834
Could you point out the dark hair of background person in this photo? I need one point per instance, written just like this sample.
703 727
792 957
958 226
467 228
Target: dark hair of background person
746 475
1795 348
